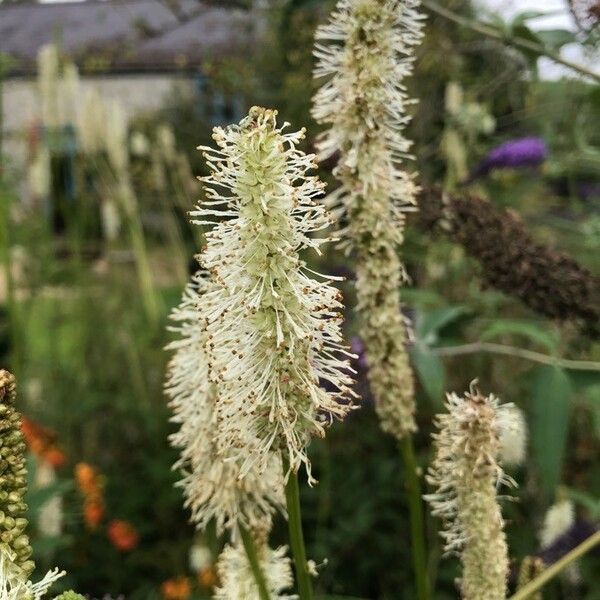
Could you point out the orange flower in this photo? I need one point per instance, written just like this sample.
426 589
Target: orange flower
207 578
87 479
42 442
93 512
55 457
178 588
123 535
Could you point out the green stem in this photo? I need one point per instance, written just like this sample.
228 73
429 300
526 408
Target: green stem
492 348
515 41
292 498
535 584
417 528
252 555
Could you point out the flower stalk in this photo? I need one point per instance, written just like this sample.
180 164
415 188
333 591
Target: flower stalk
303 576
364 54
252 555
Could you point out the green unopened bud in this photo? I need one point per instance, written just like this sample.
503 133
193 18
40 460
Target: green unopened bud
70 595
13 478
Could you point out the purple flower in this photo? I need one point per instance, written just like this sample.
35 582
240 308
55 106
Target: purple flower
357 346
514 154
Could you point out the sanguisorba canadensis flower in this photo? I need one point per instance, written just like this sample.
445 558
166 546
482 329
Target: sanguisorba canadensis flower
212 485
466 474
365 53
276 352
237 580
16 565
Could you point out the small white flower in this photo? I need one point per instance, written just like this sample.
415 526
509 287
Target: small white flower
558 520
513 436
50 516
200 557
466 475
237 579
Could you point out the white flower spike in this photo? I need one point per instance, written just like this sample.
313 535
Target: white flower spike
274 332
364 54
211 481
466 475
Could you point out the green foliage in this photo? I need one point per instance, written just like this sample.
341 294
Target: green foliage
549 409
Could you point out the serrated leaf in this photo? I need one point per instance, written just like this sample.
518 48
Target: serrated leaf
430 371
550 390
528 329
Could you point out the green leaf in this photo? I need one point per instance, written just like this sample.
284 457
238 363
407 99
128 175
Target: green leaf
430 372
556 38
531 14
589 502
528 329
429 324
549 406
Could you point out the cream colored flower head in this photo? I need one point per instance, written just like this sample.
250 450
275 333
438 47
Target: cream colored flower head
212 485
274 326
15 584
364 54
237 579
513 436
466 475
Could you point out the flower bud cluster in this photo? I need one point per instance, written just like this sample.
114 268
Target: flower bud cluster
13 478
365 53
16 565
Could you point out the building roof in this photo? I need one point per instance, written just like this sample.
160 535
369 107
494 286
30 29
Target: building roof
124 35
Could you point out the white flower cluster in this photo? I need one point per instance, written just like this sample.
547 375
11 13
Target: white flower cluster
212 485
365 53
466 475
14 585
259 366
237 579
276 349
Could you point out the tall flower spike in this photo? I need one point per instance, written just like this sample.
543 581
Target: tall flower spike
365 53
274 332
237 579
16 565
212 486
466 473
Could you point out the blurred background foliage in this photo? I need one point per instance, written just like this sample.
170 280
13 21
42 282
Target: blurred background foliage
84 314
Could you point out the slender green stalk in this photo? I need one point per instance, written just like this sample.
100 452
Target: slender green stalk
417 528
492 348
292 498
535 584
517 42
259 576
